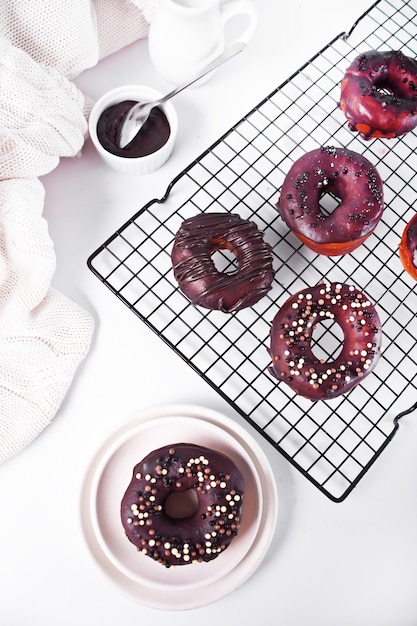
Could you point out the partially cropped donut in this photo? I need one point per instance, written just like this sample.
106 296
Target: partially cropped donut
355 184
379 94
212 524
408 247
197 276
293 359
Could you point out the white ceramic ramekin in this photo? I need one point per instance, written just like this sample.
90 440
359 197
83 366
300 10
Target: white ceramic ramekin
133 165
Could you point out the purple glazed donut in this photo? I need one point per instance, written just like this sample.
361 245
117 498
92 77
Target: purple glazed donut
379 94
408 247
352 179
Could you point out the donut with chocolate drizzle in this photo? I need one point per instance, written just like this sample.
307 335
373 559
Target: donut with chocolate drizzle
293 359
207 529
352 181
379 94
408 247
197 276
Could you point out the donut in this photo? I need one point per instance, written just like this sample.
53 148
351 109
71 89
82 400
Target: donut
291 334
172 535
379 94
198 278
352 180
408 247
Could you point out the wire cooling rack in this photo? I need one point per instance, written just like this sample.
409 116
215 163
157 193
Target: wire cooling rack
332 443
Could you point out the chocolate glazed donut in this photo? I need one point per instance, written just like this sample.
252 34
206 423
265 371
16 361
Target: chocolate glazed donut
293 360
352 179
379 94
208 529
197 276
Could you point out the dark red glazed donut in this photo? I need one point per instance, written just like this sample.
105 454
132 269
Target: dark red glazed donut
201 536
293 360
197 276
408 247
348 176
379 94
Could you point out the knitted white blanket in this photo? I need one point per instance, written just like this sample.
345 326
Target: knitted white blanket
43 335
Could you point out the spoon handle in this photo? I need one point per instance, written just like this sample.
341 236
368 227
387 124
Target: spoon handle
225 56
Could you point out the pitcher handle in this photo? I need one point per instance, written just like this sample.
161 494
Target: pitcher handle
241 7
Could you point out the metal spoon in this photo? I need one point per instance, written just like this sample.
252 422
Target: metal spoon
140 112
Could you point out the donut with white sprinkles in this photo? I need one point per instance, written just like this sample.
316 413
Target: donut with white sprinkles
292 355
198 535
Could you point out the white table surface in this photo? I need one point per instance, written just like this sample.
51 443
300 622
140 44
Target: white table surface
348 564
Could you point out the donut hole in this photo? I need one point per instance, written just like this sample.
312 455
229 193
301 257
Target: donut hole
181 504
383 88
224 261
328 203
327 340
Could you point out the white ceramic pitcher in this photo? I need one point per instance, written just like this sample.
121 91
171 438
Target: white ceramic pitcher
186 34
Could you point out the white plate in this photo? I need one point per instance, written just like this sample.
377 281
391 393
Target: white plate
143 579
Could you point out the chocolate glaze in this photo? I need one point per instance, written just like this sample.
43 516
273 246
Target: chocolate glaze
197 276
219 486
348 176
293 360
379 94
408 247
153 135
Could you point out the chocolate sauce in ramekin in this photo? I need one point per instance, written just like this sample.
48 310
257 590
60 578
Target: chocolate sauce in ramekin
152 136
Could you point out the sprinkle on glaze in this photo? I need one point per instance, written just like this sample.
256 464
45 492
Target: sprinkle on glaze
293 360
